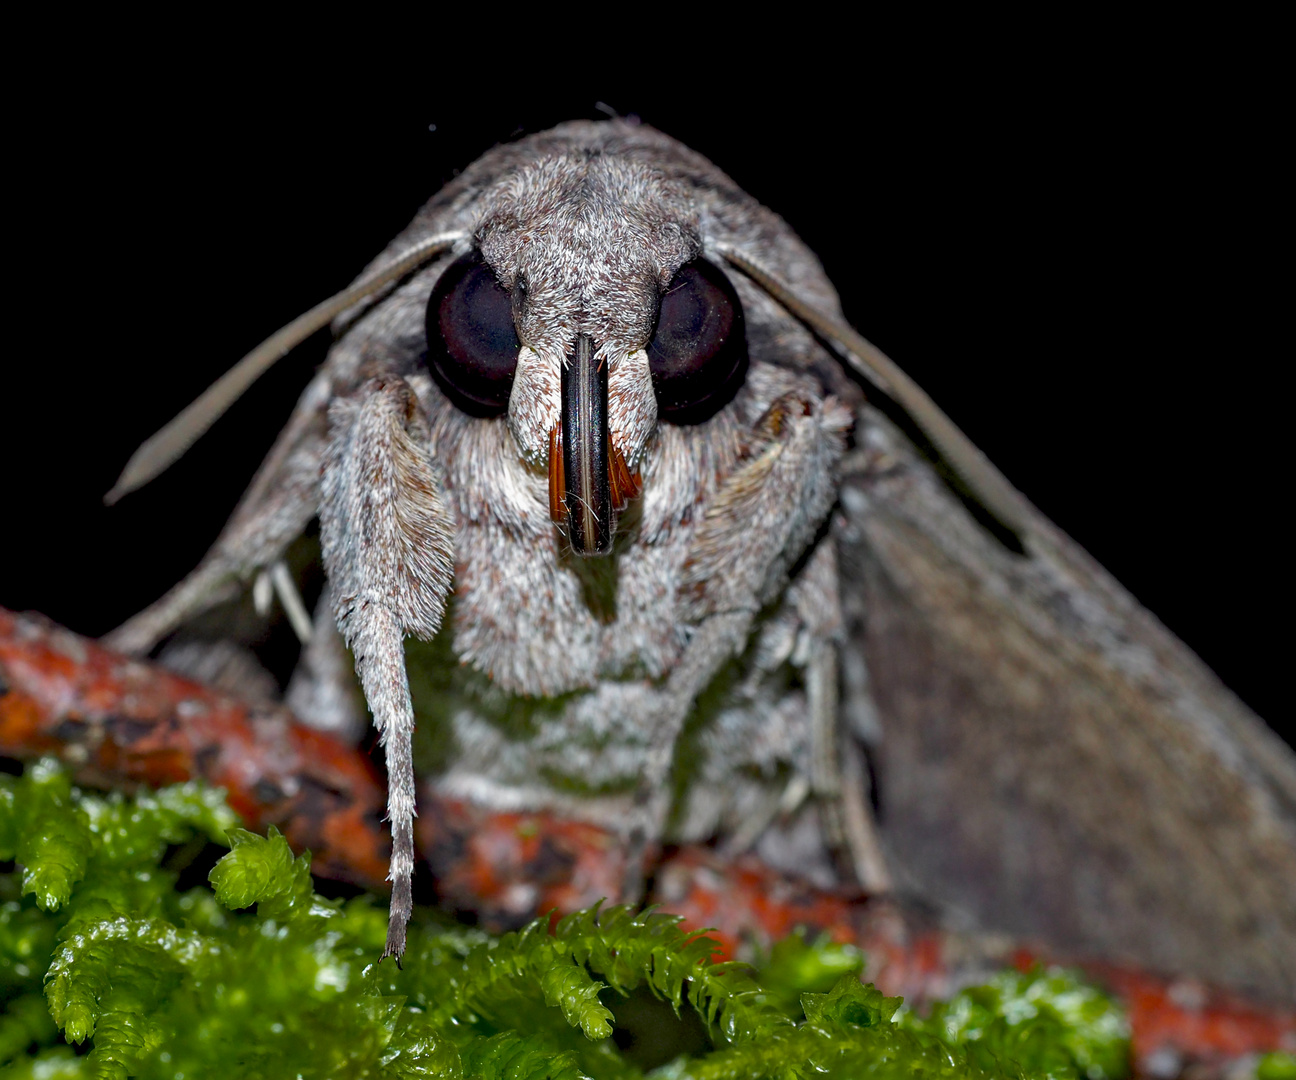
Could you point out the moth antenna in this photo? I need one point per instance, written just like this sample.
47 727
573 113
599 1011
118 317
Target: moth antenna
162 450
988 484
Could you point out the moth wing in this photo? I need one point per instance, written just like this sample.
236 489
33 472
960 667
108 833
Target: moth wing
1054 762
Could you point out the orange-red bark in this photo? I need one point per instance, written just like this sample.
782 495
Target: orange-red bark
117 721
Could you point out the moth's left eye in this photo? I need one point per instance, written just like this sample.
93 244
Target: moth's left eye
698 354
472 342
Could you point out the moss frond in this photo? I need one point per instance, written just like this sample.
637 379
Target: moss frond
847 1033
261 870
1278 1065
510 1056
796 966
105 956
1050 1022
45 830
628 948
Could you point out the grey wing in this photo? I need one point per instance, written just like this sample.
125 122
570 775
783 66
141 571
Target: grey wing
1055 763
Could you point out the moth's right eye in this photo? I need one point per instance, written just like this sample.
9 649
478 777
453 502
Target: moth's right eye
698 353
472 343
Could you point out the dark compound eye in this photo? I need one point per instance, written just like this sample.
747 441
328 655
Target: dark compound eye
698 354
472 342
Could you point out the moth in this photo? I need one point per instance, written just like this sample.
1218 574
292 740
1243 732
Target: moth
707 564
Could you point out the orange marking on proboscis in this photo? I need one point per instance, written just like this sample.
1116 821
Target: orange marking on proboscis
625 484
557 480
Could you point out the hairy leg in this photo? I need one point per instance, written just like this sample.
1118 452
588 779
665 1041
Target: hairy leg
388 551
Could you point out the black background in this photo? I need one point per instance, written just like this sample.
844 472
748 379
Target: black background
1064 256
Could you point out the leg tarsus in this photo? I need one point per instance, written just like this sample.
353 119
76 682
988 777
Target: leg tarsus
380 663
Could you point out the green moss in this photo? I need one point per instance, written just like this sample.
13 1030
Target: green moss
1049 1022
796 966
1276 1066
258 976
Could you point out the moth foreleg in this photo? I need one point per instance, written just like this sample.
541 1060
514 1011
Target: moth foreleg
388 551
838 779
762 519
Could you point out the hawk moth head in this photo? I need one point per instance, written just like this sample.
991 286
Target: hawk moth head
613 363
584 289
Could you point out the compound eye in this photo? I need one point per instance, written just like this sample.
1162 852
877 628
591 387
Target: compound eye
472 342
698 354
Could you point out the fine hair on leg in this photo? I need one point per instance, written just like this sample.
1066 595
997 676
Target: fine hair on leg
388 550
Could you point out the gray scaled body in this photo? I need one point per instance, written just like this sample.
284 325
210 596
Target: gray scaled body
679 660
